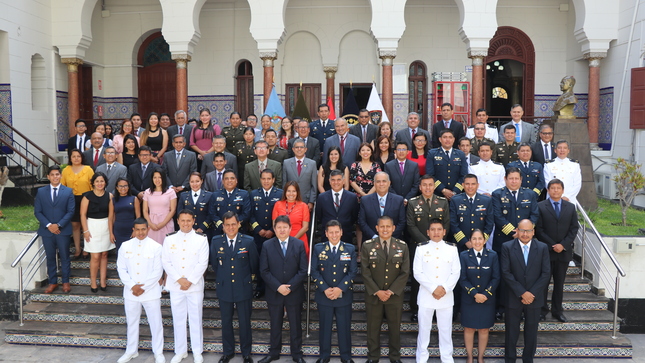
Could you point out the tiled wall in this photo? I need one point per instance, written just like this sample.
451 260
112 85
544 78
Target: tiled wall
62 124
115 107
5 105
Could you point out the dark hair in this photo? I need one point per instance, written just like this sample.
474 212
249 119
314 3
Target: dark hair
562 142
105 149
435 221
481 110
475 231
282 219
117 195
78 151
249 115
447 104
260 142
402 143
52 168
197 174
111 135
555 181
231 115
322 105
186 211
140 220
469 175
522 144
270 130
335 172
445 131
227 171
377 150
384 218
426 177
121 132
230 214
136 143
510 127
282 131
163 114
339 165
164 181
415 155
246 129
512 169
209 131
333 223
145 148
96 176
464 138
78 121
291 183
358 154
144 134
268 171
135 114
218 155
485 143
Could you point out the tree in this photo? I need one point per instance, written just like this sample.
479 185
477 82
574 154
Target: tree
629 183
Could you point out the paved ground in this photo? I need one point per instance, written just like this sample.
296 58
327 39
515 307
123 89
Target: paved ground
30 353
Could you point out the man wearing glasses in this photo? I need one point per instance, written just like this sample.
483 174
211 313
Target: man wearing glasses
311 143
364 130
139 173
544 149
112 169
479 138
490 131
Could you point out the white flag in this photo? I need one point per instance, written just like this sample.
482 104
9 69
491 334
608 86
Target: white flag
374 104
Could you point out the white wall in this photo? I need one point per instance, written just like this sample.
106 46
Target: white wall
12 244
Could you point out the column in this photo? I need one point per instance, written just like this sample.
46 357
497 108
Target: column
387 58
73 101
182 80
478 81
593 112
330 75
268 58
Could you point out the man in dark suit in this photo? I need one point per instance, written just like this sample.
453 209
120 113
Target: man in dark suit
276 153
312 144
179 163
381 203
447 123
333 268
526 269
78 141
323 128
347 143
404 173
447 165
465 145
303 171
364 129
219 146
139 173
228 199
557 227
524 131
54 208
234 259
252 169
544 148
214 180
338 204
283 266
407 135
94 155
181 128
137 124
112 169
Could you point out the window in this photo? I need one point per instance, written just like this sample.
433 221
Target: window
244 88
38 83
499 92
418 91
312 94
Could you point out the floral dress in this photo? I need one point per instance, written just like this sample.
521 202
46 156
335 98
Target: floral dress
364 180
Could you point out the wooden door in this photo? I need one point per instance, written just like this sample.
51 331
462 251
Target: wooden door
312 94
244 89
157 77
85 99
637 99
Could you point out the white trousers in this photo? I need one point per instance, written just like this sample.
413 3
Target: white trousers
444 325
133 316
187 305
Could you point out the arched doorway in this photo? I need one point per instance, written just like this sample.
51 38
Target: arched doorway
244 88
418 91
157 77
510 72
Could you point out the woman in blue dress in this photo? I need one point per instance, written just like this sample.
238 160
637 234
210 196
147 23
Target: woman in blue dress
126 210
479 278
197 204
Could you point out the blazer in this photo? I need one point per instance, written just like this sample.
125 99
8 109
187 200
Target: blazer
210 181
381 271
406 184
347 212
553 230
537 154
179 175
521 277
471 158
116 171
72 143
174 130
528 134
457 130
509 212
405 135
139 182
252 174
370 211
207 163
357 130
313 148
352 144
59 211
200 210
329 270
479 278
307 181
89 157
234 269
320 133
465 217
277 269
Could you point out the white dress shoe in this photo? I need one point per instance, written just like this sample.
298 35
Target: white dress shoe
572 264
159 358
127 357
178 357
197 358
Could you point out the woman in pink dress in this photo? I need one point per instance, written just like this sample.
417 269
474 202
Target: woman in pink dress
159 205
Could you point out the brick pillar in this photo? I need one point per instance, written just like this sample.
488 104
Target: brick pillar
182 81
73 101
387 57
478 81
330 75
268 58
593 112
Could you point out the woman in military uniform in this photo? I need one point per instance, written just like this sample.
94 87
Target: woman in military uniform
197 201
245 153
480 276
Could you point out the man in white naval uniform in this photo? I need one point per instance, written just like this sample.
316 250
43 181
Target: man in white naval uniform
437 269
565 169
489 173
140 269
185 258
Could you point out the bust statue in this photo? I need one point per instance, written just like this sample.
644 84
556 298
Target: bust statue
563 107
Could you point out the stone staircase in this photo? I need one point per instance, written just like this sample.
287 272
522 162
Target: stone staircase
86 319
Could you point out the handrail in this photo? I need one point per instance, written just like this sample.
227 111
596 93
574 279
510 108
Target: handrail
28 140
2 139
33 266
25 250
601 239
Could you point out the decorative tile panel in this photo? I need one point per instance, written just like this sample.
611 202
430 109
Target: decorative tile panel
62 124
605 122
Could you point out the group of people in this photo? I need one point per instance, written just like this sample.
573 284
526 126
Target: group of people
458 214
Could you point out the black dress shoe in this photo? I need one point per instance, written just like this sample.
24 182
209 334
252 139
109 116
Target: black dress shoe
414 318
248 359
268 359
395 361
258 294
560 317
499 316
320 360
226 358
371 361
542 317
346 361
299 360
94 290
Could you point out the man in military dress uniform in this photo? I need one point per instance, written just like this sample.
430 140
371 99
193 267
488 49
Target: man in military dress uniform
469 211
275 152
229 198
233 133
436 268
489 132
421 210
532 172
262 201
333 268
479 138
565 169
447 165
385 268
235 260
185 259
323 128
490 174
506 150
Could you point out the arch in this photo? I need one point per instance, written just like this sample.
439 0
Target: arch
513 44
317 32
157 78
38 83
244 87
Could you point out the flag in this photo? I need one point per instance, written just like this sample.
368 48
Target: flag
330 104
275 110
350 109
375 106
301 110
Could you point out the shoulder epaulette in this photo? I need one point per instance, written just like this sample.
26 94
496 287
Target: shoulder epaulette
498 163
438 197
574 161
450 244
422 243
369 241
415 198
171 233
475 163
201 234
549 161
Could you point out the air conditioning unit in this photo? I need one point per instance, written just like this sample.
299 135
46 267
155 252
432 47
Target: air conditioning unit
605 185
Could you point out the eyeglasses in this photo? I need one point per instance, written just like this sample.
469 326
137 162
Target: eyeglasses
145 155
525 230
110 153
260 148
298 147
402 150
546 133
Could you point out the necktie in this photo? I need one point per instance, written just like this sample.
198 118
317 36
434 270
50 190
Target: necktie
446 124
81 143
526 254
178 158
229 195
385 248
136 132
428 201
336 203
219 180
231 244
381 202
284 248
109 168
517 133
324 124
514 194
181 130
55 194
414 133
96 158
546 152
333 251
261 166
448 153
526 165
479 257
299 167
556 206
342 144
364 133
470 200
143 171
266 194
401 166
195 198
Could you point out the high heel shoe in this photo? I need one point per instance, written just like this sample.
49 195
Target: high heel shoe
94 289
104 288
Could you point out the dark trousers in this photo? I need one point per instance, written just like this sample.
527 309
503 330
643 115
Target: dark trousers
512 321
501 291
294 314
343 327
61 243
374 319
559 273
414 284
259 241
244 316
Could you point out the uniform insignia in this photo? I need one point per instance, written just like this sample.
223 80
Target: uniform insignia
341 248
505 211
439 210
221 248
461 219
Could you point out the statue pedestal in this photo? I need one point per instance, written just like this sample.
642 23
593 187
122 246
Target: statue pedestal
575 131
